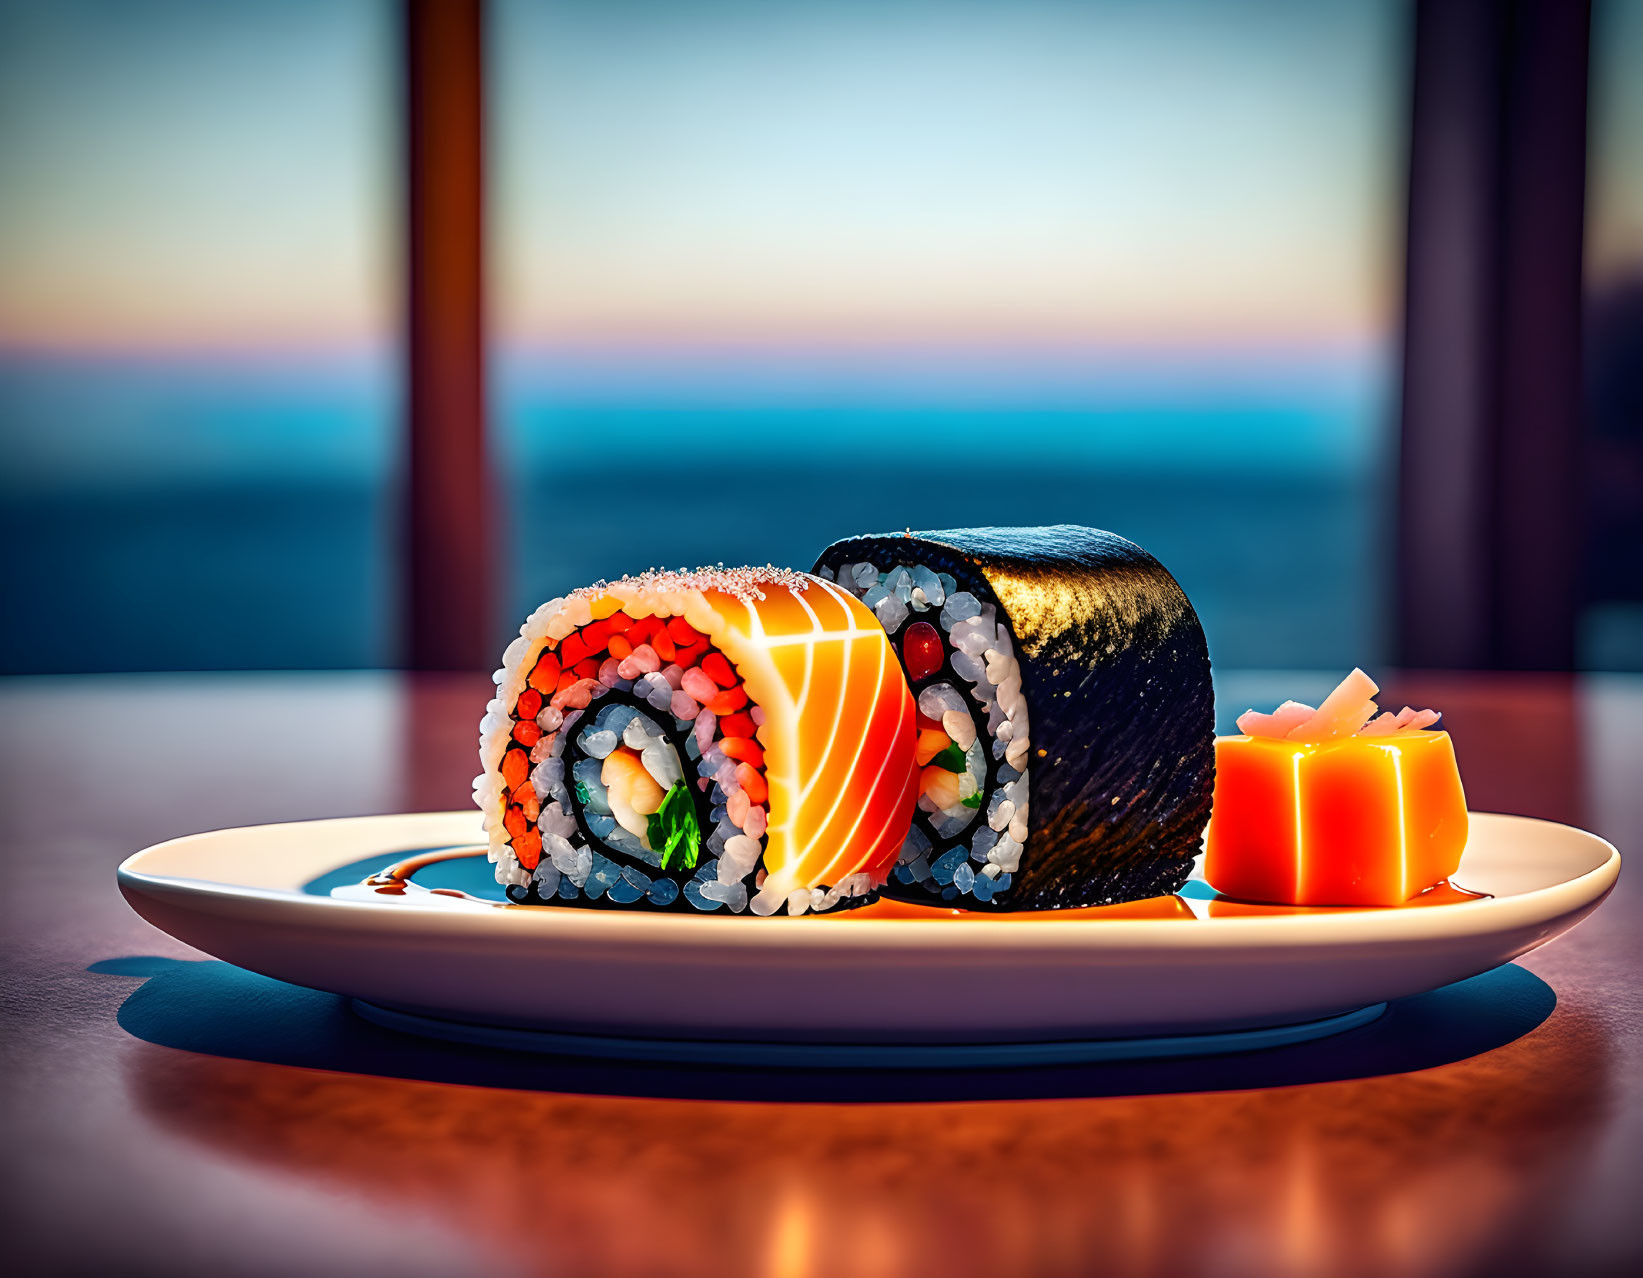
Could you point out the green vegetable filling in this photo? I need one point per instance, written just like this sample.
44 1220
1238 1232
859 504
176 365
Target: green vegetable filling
673 830
974 801
952 758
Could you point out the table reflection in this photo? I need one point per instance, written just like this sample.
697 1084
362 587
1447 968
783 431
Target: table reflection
1416 1173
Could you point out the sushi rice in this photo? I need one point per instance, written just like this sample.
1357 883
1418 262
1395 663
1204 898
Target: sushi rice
624 757
974 742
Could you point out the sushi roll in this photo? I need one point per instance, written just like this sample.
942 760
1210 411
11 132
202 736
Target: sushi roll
736 740
1065 716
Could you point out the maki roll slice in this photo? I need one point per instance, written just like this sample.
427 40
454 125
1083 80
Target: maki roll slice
735 740
1065 717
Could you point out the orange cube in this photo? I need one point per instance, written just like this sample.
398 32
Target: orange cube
1353 821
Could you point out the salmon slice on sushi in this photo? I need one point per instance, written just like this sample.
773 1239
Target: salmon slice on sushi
1065 715
738 740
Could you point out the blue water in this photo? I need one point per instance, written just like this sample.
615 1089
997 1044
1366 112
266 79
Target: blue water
1283 573
174 517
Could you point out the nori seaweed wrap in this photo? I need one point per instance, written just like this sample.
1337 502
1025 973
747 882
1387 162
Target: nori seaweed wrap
1066 718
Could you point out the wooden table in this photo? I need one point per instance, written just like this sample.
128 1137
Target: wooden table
166 1114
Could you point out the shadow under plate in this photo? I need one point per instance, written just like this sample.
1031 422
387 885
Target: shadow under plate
217 1009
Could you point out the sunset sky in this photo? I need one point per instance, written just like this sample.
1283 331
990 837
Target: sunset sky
1614 186
1089 171
192 173
1146 252
182 174
1100 205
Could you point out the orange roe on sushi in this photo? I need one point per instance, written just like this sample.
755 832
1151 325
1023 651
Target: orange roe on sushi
718 669
544 677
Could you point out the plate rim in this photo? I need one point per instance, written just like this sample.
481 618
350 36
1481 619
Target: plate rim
1350 926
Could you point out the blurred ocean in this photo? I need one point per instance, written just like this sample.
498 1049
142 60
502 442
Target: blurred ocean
1283 571
245 518
300 576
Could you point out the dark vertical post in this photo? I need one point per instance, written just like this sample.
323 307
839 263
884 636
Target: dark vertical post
1488 500
448 545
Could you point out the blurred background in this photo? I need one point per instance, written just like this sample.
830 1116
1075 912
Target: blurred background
757 276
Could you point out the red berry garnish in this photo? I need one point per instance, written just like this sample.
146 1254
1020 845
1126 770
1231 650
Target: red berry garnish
921 651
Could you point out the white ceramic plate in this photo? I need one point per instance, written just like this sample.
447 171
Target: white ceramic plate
580 976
